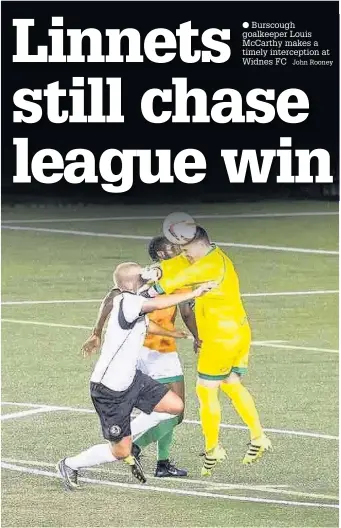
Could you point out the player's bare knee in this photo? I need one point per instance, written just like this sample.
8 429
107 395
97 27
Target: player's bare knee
179 388
121 452
171 403
178 406
175 404
233 377
121 449
209 383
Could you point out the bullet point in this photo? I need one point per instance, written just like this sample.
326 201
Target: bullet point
245 25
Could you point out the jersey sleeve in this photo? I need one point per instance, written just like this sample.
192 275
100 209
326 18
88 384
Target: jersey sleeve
195 274
131 307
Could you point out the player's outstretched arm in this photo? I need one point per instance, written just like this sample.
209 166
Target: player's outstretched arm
197 273
188 318
154 328
165 301
93 343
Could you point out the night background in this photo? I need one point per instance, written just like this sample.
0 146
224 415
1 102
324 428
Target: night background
62 242
319 130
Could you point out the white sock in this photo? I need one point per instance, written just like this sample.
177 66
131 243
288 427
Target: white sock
143 422
97 454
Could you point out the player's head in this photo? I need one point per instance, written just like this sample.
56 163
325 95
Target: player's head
127 276
161 249
198 247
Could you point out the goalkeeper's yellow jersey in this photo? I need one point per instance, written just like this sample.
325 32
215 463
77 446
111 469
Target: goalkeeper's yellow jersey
171 267
219 313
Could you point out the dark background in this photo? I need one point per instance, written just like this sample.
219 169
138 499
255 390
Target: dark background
321 85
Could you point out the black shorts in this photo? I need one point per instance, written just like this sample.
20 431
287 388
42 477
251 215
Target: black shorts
115 407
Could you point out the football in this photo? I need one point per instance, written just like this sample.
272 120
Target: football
179 228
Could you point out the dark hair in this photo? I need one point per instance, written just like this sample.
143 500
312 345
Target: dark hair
157 244
201 234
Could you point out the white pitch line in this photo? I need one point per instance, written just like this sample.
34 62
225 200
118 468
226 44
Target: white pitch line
271 344
289 293
161 217
49 407
270 430
279 248
41 323
23 414
210 485
72 232
271 488
145 237
173 491
294 347
256 294
58 301
192 422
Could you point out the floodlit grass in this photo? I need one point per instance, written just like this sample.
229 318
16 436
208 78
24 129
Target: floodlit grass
295 390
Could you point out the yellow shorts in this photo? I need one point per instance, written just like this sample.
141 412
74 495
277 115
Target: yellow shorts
219 357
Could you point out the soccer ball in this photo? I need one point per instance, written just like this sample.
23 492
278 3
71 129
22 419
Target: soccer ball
179 228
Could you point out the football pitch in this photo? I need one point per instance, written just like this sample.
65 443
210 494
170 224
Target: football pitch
57 265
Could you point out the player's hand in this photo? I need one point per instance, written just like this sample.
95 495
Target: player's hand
151 273
182 334
204 288
197 345
91 345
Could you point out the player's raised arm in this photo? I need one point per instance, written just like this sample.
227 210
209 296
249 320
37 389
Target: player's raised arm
197 273
105 310
165 301
93 343
188 318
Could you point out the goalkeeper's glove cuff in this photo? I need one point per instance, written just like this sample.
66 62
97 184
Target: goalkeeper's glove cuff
151 273
152 292
147 292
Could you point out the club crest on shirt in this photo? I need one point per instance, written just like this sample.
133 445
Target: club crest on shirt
114 430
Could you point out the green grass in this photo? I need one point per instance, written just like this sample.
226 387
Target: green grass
295 390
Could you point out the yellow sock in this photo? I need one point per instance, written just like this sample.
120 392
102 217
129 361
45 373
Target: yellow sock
245 406
210 414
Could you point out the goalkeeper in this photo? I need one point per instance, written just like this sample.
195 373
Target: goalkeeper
225 337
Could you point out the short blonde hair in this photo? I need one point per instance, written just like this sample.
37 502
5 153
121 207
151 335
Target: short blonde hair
125 275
